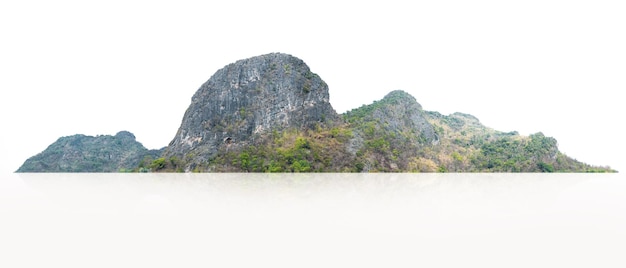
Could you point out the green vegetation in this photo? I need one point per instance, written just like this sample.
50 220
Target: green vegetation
317 150
287 69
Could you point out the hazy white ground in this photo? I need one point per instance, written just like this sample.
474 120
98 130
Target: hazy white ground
320 220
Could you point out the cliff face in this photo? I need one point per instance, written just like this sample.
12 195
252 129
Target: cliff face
80 153
249 98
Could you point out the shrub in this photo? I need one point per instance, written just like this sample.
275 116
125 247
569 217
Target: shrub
545 167
301 166
158 164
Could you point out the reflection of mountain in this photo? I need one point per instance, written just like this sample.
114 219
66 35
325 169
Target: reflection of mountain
396 189
270 113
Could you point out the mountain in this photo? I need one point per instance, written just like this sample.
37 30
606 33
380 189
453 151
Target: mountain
270 113
389 133
246 101
80 153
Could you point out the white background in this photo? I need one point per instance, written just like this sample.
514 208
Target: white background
69 67
313 220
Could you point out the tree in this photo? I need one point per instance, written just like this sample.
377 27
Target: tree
545 167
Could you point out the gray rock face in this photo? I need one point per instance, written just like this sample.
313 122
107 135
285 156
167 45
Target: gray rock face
397 113
404 113
248 98
388 133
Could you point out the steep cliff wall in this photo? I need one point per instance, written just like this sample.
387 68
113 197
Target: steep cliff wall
248 98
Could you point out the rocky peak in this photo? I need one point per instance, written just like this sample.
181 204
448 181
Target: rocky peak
397 112
251 97
125 135
402 97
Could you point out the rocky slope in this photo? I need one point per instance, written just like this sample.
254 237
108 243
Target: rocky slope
388 131
80 153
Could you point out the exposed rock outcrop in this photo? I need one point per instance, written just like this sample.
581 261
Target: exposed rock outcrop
392 128
398 112
248 98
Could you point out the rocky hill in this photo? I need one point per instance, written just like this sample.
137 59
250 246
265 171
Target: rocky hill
247 100
390 132
270 113
80 153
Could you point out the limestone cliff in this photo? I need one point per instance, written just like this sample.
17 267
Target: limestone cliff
249 98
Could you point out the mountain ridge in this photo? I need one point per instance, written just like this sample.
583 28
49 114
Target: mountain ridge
271 113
